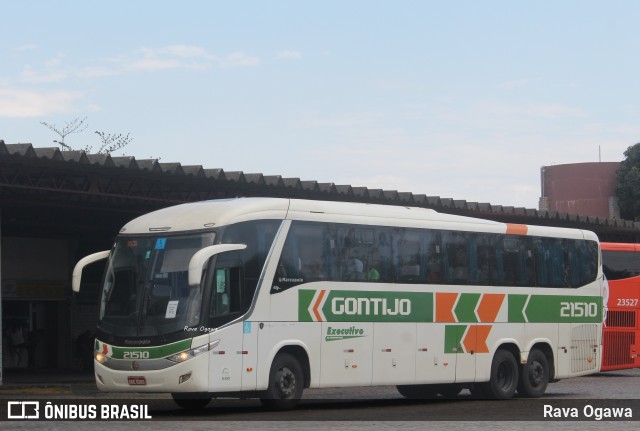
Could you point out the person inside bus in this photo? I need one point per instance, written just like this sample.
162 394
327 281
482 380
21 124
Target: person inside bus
354 270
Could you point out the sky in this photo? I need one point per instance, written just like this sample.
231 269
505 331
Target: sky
457 99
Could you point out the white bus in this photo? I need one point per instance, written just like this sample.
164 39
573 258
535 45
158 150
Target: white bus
264 297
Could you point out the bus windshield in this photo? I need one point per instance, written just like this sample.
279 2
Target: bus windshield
146 290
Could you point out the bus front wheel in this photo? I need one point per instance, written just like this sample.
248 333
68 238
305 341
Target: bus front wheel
534 376
286 383
504 376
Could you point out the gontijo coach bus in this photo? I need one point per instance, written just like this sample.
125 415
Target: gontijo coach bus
265 297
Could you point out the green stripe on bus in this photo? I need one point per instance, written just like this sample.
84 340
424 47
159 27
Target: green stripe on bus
516 308
389 306
304 301
453 338
359 306
466 308
150 352
555 309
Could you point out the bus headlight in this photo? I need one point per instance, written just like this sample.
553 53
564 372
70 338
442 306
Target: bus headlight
192 353
100 357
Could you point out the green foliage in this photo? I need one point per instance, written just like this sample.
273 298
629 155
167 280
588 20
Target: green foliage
628 184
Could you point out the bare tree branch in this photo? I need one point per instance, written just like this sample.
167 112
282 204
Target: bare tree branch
112 142
76 125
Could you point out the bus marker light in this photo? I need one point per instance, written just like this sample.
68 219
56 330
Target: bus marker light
183 378
354 366
349 350
249 370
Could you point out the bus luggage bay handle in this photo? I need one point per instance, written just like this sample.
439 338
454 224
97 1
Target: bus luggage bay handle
200 258
77 270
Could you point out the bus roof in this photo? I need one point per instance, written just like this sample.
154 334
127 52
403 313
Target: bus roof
216 213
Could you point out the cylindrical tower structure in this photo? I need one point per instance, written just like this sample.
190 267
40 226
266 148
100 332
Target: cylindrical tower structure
580 188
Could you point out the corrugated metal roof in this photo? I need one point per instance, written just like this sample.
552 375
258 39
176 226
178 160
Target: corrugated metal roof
294 187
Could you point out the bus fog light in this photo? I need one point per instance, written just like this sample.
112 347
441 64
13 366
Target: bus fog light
183 378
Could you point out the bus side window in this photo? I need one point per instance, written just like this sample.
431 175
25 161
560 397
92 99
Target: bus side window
486 260
551 268
225 297
518 261
433 256
583 261
456 257
407 256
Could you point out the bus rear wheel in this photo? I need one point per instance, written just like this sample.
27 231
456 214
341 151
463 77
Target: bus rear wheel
286 383
504 376
534 376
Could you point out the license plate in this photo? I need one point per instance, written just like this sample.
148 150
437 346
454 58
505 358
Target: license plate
136 381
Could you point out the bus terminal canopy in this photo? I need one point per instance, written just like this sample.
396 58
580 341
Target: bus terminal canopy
93 192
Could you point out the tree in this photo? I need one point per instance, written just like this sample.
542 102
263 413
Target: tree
74 126
109 142
628 184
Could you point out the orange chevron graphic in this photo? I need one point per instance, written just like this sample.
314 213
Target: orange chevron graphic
444 307
317 305
105 349
489 307
476 339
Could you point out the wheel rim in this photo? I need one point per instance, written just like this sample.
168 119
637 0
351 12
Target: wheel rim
505 376
536 373
286 382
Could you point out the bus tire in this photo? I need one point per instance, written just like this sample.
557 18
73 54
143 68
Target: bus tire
191 401
418 392
534 375
503 381
286 383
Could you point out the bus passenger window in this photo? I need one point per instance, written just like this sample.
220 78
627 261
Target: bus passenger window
433 257
407 255
456 258
486 260
551 270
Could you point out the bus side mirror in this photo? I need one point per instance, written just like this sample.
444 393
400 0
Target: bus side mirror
77 270
200 258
